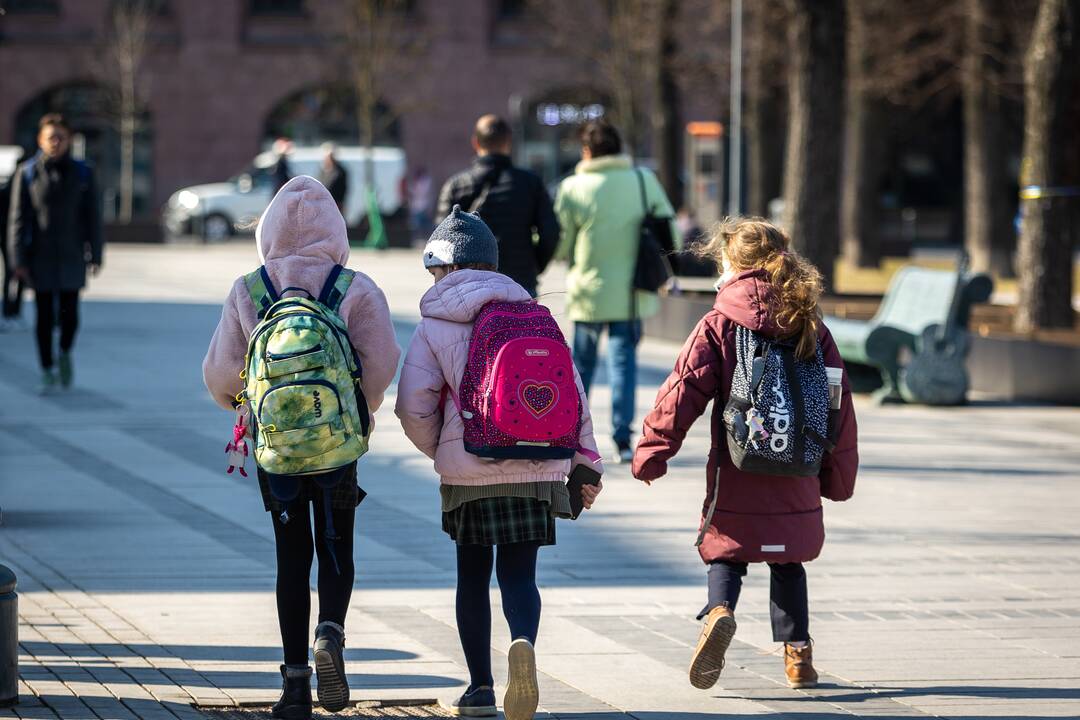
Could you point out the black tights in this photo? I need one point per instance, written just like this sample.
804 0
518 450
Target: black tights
515 568
295 545
46 302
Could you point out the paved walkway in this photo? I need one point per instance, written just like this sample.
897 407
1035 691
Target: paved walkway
949 587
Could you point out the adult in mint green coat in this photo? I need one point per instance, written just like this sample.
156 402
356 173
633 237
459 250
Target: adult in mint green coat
600 209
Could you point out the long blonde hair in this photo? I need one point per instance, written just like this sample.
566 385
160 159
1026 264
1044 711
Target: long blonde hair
754 243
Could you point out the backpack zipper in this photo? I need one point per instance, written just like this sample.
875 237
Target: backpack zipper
289 356
275 321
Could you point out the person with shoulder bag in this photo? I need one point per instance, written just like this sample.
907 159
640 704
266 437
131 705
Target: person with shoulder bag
618 229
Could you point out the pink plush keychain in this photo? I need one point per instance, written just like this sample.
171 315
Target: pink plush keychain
237 450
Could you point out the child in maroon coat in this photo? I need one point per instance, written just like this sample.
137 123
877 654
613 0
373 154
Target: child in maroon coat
770 290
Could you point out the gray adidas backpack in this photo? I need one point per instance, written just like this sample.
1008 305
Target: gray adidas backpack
777 417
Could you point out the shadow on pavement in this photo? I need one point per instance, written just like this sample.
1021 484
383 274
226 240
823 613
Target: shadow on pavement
81 652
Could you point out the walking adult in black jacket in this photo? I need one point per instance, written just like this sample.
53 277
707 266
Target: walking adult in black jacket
512 201
12 288
334 177
54 234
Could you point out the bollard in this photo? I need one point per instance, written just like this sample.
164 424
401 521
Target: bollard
9 638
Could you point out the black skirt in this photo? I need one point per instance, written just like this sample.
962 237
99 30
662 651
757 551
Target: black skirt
500 521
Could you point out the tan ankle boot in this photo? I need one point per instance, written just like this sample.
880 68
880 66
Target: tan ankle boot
708 658
799 666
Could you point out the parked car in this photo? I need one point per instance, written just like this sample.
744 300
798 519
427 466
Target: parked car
9 156
217 210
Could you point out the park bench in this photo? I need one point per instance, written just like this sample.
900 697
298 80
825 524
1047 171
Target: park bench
916 298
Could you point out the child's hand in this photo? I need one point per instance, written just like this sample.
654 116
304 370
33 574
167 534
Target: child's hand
589 493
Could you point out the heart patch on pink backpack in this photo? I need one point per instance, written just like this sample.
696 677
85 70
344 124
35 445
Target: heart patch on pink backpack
518 397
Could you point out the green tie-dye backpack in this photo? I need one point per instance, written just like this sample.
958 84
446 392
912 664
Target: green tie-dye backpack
302 374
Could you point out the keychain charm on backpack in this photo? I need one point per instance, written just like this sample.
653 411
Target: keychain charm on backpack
756 423
237 450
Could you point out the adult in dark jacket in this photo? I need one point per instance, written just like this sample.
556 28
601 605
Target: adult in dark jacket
334 177
12 289
512 201
280 171
54 234
769 290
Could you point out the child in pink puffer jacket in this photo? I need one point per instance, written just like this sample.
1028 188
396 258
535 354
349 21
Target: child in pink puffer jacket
301 238
511 504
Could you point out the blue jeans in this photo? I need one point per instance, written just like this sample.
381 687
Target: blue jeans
623 337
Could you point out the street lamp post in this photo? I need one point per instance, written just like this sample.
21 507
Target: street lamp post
735 121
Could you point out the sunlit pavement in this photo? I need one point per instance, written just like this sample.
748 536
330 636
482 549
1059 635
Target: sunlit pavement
949 587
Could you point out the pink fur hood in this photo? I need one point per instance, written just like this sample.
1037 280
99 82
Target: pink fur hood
436 358
300 238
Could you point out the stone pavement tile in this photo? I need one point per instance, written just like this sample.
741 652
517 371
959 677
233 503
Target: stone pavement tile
39 712
110 708
1027 709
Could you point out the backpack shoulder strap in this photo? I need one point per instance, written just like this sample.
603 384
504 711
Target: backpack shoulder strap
261 289
337 284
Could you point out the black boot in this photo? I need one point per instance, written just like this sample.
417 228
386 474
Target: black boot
329 649
295 702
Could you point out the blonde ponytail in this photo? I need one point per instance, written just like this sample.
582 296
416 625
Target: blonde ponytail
752 243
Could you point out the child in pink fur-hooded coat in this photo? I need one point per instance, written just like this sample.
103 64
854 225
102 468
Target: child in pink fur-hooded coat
300 238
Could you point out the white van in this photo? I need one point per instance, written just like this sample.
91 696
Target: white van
218 210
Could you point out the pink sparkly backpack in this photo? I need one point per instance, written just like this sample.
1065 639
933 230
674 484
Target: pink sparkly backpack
518 397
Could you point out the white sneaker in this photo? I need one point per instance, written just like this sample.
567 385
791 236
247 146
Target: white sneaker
522 691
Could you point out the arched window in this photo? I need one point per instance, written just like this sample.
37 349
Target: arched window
90 111
326 113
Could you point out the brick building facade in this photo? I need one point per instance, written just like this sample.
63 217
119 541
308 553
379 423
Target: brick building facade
217 69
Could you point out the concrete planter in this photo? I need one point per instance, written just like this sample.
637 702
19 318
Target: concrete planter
137 231
1019 369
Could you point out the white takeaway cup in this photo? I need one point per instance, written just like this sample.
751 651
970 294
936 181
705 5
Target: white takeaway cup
836 386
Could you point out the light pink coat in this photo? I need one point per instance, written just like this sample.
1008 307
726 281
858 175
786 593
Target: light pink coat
436 358
300 237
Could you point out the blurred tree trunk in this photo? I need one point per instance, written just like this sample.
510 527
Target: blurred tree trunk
667 125
127 43
864 148
815 115
988 226
1051 218
763 115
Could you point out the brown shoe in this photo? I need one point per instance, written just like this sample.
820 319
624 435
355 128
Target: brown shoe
708 658
799 666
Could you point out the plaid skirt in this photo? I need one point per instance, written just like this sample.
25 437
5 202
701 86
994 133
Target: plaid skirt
500 521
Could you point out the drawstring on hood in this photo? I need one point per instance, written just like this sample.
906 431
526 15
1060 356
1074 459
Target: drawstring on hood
302 221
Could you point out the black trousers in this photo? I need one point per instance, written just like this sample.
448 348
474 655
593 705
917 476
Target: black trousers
12 290
297 541
48 303
789 608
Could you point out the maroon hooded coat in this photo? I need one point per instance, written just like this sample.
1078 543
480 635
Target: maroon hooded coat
758 517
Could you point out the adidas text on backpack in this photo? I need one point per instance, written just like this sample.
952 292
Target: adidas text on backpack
777 418
302 375
519 397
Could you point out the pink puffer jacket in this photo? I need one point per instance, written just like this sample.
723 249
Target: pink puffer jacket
301 237
436 358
